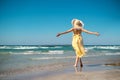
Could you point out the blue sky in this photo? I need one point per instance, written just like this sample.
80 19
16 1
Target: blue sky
36 22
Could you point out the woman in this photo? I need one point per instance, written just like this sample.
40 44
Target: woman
77 41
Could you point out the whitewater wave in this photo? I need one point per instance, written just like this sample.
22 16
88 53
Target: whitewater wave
50 52
56 52
58 47
18 47
109 47
26 47
45 47
4 47
104 47
24 53
46 58
30 47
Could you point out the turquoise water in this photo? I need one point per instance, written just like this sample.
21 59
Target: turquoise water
19 56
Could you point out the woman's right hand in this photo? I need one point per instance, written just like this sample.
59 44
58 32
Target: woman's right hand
97 34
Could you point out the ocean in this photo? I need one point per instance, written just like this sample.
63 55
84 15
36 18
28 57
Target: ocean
17 57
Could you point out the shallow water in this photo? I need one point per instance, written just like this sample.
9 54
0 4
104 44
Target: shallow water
15 58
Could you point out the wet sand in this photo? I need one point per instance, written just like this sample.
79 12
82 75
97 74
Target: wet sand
95 68
95 75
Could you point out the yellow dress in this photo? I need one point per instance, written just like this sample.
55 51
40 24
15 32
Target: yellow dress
77 44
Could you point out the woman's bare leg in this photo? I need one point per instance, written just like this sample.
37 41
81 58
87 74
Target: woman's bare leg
81 64
76 61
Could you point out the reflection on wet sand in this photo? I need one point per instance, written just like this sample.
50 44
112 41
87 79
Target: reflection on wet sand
78 69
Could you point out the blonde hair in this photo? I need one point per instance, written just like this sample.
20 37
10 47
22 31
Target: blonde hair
78 22
73 21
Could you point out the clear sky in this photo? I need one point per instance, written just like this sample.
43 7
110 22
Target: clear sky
36 22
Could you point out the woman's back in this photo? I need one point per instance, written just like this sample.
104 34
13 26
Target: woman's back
77 31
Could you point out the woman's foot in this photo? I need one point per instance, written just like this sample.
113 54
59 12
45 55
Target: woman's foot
75 65
81 65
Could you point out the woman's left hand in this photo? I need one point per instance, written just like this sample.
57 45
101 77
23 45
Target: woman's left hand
58 35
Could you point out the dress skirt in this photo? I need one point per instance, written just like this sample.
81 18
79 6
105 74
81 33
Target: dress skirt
77 44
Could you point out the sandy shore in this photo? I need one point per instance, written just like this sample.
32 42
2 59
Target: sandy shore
63 72
93 71
97 68
95 75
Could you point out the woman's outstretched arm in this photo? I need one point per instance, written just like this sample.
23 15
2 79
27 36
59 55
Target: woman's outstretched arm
89 32
70 30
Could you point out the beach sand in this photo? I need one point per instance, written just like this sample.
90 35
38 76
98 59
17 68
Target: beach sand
95 75
95 68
